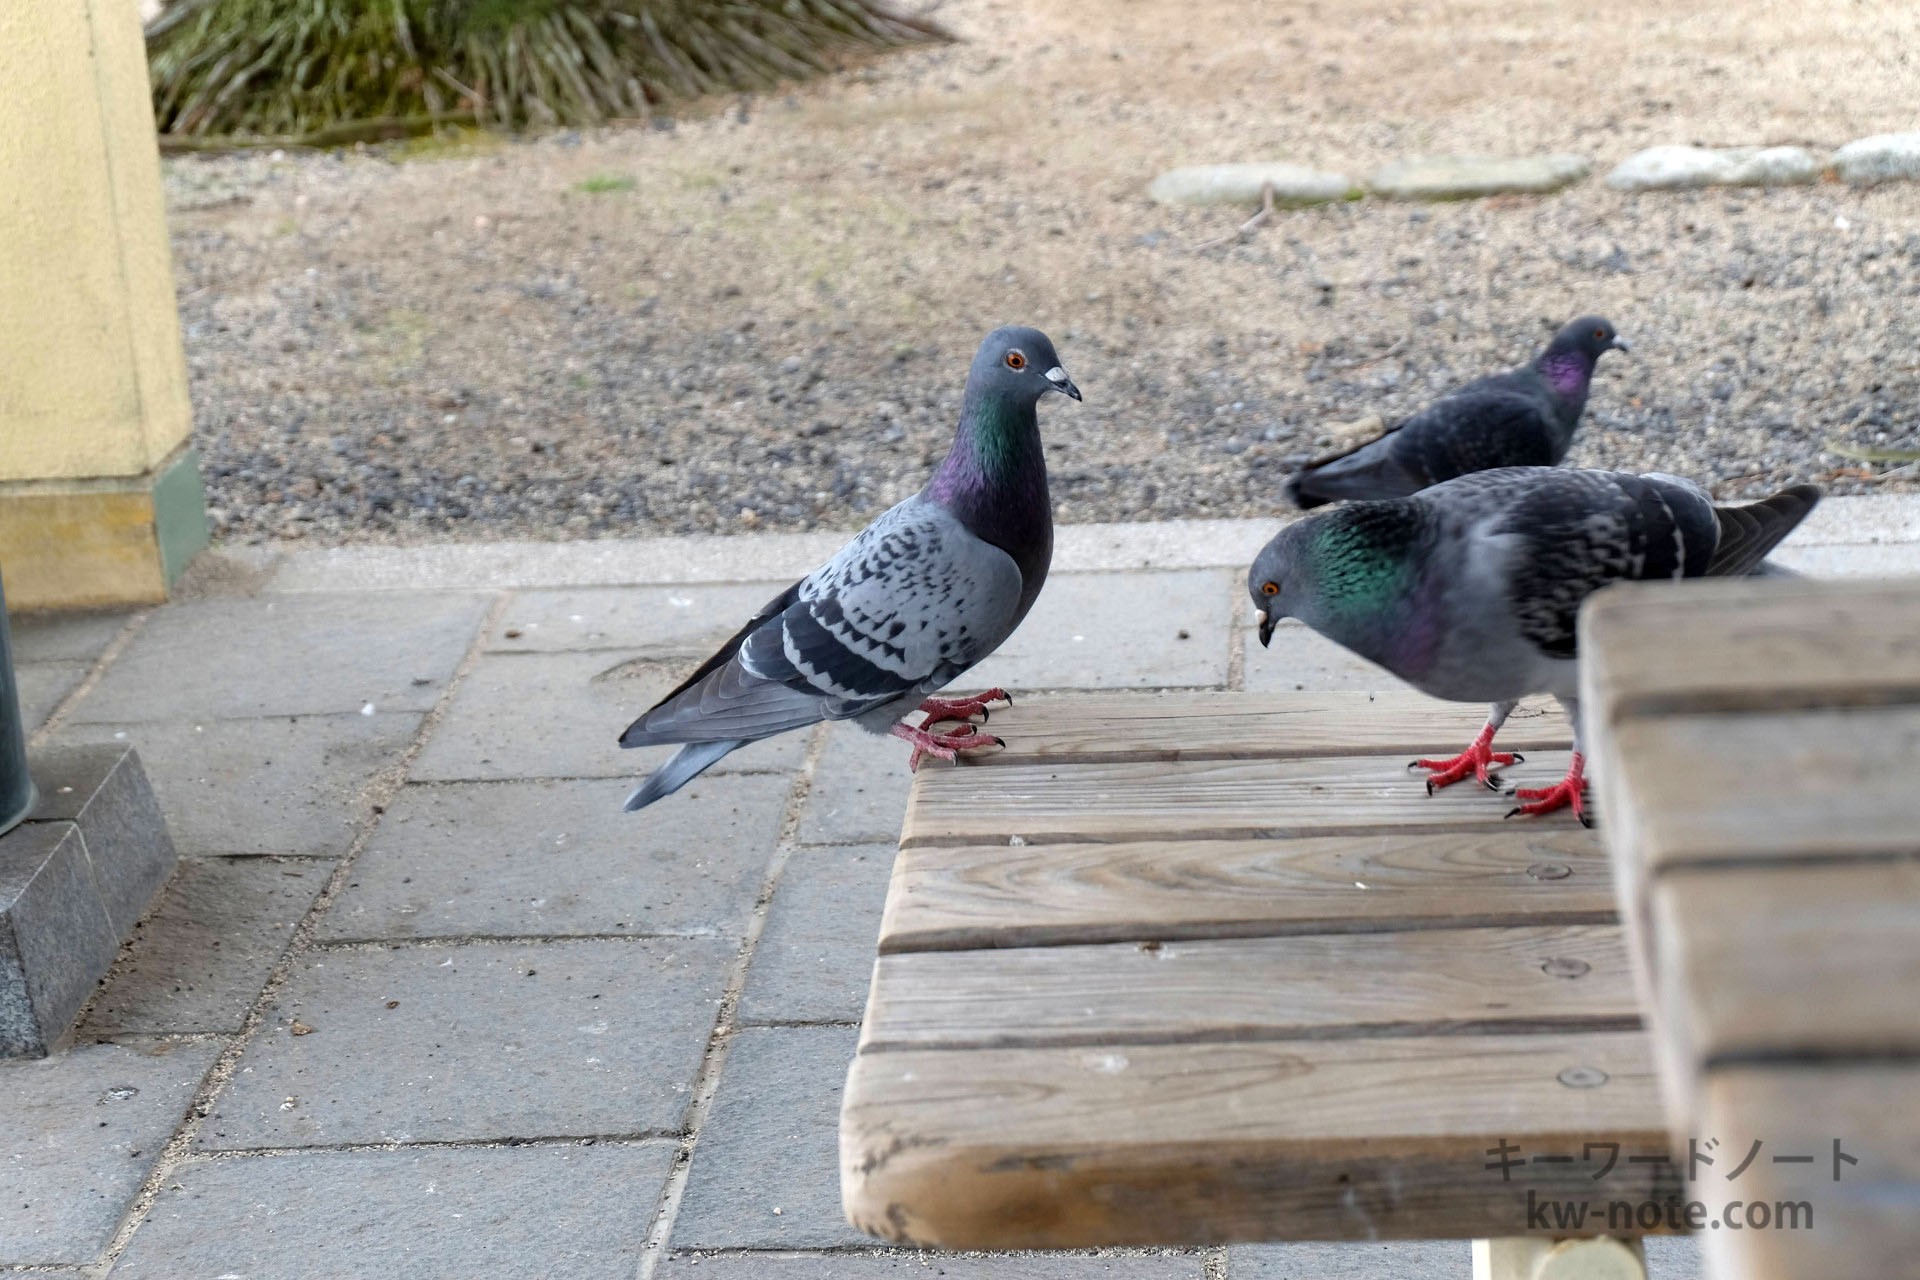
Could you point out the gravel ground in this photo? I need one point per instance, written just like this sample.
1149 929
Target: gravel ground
760 315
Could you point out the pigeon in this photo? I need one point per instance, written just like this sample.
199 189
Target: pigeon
1523 418
923 593
1469 590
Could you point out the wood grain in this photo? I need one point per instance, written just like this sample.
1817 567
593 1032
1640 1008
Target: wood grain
1378 1139
1799 785
1337 985
1751 644
1863 1224
977 896
1232 726
1819 961
1202 799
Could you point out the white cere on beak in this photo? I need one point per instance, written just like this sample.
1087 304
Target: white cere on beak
1057 376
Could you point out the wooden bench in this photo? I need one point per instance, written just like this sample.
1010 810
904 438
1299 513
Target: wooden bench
1758 754
1195 969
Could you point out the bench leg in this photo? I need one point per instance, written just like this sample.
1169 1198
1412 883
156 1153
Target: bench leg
1539 1258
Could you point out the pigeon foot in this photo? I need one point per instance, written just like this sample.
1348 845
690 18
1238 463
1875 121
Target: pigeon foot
1478 759
1568 793
943 746
939 709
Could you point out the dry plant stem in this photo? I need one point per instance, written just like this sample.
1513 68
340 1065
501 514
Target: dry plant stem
1248 227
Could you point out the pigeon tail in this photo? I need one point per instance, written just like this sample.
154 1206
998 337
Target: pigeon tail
1749 533
688 763
1297 493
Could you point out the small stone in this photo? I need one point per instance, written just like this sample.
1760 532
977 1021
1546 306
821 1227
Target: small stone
1466 177
1675 168
301 1029
1885 157
1243 183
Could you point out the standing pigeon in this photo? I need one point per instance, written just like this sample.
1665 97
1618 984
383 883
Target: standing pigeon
923 593
1469 590
1524 418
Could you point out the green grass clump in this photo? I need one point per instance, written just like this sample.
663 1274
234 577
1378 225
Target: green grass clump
333 71
601 184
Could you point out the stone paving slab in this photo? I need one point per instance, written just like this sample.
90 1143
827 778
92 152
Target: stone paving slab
927 1266
42 687
772 1141
563 1212
78 637
289 785
1393 1260
81 1132
815 956
517 859
1118 631
859 789
1303 659
302 655
485 1041
660 620
55 938
198 962
560 715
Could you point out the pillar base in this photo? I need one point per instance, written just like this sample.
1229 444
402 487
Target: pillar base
96 544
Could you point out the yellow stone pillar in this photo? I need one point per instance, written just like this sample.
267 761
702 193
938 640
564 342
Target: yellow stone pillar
100 499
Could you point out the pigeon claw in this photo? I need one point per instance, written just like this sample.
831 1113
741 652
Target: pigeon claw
1478 760
1568 793
939 709
942 746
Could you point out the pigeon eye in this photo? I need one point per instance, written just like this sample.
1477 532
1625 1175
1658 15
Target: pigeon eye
1599 333
1269 588
1015 360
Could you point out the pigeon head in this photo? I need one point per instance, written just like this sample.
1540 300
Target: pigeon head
1590 336
1341 573
1017 364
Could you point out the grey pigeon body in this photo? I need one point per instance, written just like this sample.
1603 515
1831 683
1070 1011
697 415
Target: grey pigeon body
1470 590
1523 418
927 590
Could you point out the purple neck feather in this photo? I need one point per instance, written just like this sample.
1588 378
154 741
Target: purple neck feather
995 479
1568 373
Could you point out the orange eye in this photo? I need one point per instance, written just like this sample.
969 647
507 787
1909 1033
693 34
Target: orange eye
1015 360
1269 588
1599 333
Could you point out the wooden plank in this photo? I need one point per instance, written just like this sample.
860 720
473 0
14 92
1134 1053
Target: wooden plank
1750 644
1860 1226
994 896
1453 981
1232 726
1793 785
1378 1139
1202 799
1792 961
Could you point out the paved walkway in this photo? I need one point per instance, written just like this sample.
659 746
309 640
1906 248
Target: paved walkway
421 1001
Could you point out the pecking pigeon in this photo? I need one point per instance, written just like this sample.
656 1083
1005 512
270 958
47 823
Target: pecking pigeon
1524 418
923 593
1469 590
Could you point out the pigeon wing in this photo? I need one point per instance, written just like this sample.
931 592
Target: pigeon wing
906 606
1578 531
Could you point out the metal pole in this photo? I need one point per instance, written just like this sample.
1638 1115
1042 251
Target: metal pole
16 786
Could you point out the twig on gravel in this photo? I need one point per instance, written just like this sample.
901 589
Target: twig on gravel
1391 351
1248 227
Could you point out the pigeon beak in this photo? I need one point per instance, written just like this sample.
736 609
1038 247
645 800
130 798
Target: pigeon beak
1057 379
1620 345
1267 623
